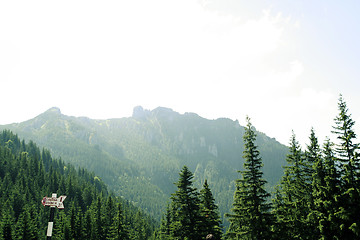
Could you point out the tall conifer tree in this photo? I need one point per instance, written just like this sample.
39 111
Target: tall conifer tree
166 224
186 208
290 203
7 226
109 215
251 218
118 229
313 168
210 213
347 153
325 190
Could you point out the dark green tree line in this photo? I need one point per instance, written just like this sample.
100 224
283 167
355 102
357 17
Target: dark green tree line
28 174
318 197
190 215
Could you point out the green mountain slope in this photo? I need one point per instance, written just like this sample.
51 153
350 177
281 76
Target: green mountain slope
139 157
28 174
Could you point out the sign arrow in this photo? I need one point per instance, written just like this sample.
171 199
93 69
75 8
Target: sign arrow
54 202
60 202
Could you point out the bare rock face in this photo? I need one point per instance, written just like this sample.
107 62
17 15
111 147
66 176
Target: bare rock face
140 113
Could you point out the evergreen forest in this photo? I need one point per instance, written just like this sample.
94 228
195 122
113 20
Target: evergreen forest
139 157
317 196
27 174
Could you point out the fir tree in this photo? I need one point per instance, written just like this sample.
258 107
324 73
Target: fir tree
76 223
185 205
210 213
238 217
109 215
25 227
326 188
251 218
290 203
98 221
118 229
313 168
347 153
27 175
88 225
281 212
7 226
166 224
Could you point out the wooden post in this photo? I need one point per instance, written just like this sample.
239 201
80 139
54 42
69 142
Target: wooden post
51 220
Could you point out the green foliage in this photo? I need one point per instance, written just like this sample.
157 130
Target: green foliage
185 208
349 168
325 190
291 203
27 175
251 218
190 215
139 157
318 197
211 223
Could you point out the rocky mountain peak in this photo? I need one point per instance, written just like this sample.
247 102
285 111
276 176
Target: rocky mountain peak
140 113
54 110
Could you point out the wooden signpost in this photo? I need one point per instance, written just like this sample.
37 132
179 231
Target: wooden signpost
53 202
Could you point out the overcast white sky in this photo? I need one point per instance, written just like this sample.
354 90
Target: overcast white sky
283 63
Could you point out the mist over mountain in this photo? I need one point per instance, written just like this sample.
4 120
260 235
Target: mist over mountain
139 157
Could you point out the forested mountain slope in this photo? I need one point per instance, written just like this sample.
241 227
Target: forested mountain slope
27 174
139 157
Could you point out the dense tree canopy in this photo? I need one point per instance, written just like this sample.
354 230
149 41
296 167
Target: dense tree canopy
191 214
28 174
139 157
317 197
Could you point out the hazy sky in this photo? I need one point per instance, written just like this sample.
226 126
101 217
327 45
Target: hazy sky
283 63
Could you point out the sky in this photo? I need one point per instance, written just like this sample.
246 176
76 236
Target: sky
282 63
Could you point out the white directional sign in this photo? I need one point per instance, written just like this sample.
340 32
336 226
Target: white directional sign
54 201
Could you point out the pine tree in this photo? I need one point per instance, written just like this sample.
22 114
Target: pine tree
62 229
118 229
166 224
25 227
326 188
313 168
290 203
347 153
88 230
7 226
281 212
185 205
251 218
98 221
210 213
238 217
109 215
27 175
76 222
138 229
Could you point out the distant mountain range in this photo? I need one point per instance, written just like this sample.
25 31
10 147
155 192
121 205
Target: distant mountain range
140 157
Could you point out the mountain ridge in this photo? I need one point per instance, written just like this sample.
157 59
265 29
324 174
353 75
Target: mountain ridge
139 157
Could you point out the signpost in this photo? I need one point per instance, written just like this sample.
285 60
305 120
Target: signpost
53 202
